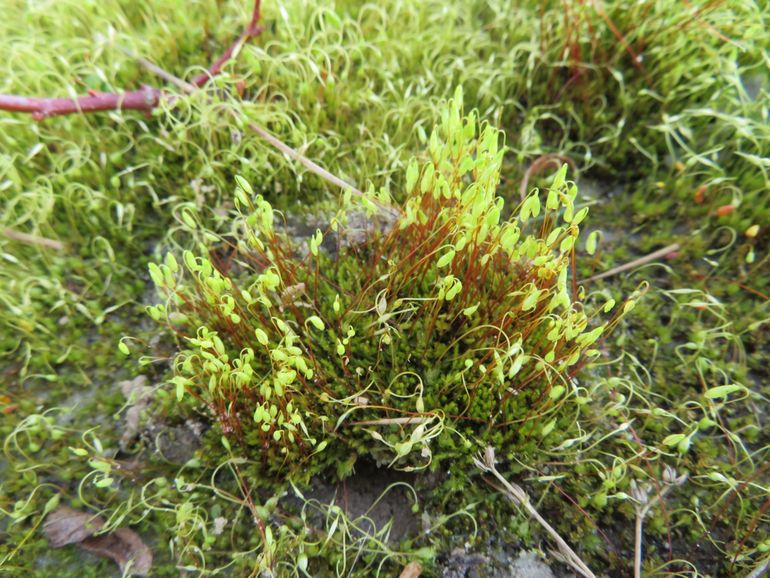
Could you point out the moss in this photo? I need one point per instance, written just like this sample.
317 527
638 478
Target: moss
357 86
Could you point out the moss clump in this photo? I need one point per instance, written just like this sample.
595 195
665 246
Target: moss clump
450 320
666 105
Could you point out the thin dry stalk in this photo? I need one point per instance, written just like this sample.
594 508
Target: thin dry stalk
293 154
394 420
302 159
636 262
515 493
183 85
33 239
644 504
641 514
290 152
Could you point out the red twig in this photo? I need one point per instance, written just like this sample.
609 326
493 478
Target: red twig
252 30
145 98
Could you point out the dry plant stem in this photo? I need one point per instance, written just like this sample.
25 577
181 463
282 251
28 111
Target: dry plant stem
636 262
303 160
638 546
183 85
293 154
518 496
145 98
394 420
314 168
33 239
641 514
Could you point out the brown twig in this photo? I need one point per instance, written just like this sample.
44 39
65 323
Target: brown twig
146 98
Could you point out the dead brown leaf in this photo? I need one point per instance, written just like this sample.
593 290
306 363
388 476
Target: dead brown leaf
66 526
125 547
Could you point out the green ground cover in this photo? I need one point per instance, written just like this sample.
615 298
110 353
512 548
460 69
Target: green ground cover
225 345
